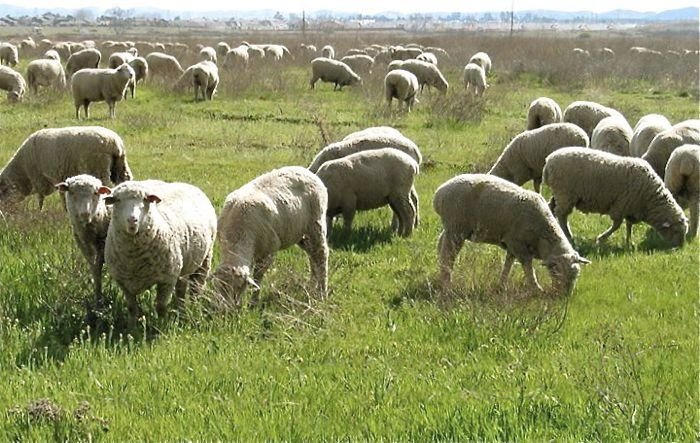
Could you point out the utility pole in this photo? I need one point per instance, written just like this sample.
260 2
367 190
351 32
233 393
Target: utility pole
303 24
512 13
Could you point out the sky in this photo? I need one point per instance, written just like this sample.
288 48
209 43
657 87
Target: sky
365 6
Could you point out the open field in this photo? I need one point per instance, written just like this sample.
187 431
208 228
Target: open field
385 357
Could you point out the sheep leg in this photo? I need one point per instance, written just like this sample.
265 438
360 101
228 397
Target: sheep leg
86 105
96 269
507 265
530 274
615 226
199 277
164 294
561 212
536 183
315 246
260 267
348 216
133 306
628 237
448 249
403 208
414 199
329 225
694 214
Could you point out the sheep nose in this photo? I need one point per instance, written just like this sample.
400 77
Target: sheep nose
131 220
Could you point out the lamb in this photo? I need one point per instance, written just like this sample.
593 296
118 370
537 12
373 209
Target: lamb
612 134
117 59
275 211
359 63
12 82
660 148
160 234
682 178
401 85
45 72
426 73
428 57
543 111
587 114
645 130
487 209
524 157
163 65
474 75
482 59
8 54
208 54
332 71
87 58
140 67
205 78
93 85
370 180
328 52
89 219
625 188
49 156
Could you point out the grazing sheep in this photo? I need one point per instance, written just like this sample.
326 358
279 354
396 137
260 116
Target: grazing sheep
625 188
27 44
475 76
160 234
524 157
332 71
237 57
682 178
222 49
8 54
309 52
579 52
208 54
401 85
661 147
370 180
12 82
89 219
487 209
117 59
482 59
612 134
404 53
52 55
277 210
543 111
274 52
49 156
355 51
163 65
205 78
426 73
428 57
606 53
87 58
359 63
140 67
586 115
94 85
328 52
645 130
63 49
45 72
377 130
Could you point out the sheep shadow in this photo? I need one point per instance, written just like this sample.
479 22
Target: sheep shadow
614 247
361 239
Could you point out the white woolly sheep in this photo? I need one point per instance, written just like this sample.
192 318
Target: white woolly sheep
117 59
645 130
482 59
581 52
94 85
487 209
237 58
586 114
404 53
625 188
543 111
205 78
163 65
52 55
87 58
370 180
49 156
612 134
160 234
208 54
8 54
606 53
277 210
428 57
426 73
309 52
140 67
474 75
682 178
661 147
45 72
402 86
523 159
222 49
12 82
328 52
355 51
377 130
332 71
359 63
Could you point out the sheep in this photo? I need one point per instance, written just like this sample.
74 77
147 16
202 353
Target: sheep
49 156
645 130
359 63
543 111
401 85
274 52
140 67
376 130
275 211
579 52
606 53
89 219
208 54
487 209
45 72
482 59
332 71
612 134
12 82
428 57
660 148
524 157
52 55
426 73
328 52
160 234
586 114
625 188
474 75
355 51
163 65
93 85
8 54
63 49
222 49
205 78
237 57
87 58
255 53
309 51
117 59
404 53
682 178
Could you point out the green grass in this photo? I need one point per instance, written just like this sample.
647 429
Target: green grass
385 357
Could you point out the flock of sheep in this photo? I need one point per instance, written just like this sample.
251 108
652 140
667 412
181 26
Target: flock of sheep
156 233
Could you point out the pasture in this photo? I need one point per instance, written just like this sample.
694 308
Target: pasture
386 357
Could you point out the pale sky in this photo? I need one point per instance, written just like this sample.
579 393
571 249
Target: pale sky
365 6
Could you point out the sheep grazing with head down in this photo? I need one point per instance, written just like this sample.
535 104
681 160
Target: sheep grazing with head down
94 85
359 63
45 72
612 134
543 111
8 54
402 86
644 132
682 178
586 115
205 79
332 71
163 65
475 76
487 209
12 82
140 67
661 147
426 73
277 210
87 58
482 59
208 54
328 52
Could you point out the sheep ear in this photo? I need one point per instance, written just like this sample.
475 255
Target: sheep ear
104 190
61 187
252 283
152 198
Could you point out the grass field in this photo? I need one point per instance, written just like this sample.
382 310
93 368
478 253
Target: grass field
385 357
